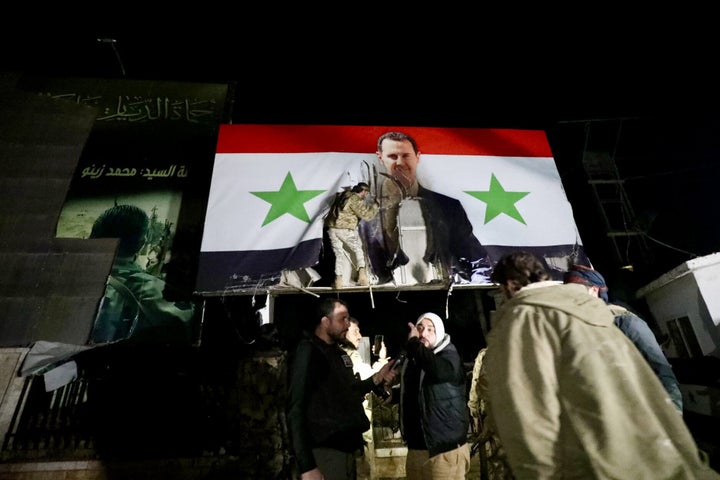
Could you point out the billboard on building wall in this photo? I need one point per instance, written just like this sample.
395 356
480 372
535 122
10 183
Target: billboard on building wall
143 178
451 202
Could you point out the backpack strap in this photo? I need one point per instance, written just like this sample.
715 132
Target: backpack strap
120 286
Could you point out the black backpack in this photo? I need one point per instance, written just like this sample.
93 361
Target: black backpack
337 205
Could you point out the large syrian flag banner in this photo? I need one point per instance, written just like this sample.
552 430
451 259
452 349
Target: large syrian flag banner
273 184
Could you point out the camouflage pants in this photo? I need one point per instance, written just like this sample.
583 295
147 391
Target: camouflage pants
346 242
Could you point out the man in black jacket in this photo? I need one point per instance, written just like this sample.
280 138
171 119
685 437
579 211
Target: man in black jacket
326 418
434 418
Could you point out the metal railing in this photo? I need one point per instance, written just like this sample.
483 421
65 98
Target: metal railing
50 421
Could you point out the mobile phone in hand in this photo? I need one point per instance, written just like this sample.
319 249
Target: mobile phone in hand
398 362
377 344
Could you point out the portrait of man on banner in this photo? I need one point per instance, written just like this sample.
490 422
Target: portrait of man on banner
451 202
420 236
135 304
138 303
141 179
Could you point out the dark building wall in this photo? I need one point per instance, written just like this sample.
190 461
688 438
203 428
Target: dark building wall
48 286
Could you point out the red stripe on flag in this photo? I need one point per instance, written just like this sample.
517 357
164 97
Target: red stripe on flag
334 138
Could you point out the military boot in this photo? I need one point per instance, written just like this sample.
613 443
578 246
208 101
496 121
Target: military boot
362 277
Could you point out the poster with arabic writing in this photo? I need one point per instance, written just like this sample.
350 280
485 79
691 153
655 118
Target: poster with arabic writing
143 178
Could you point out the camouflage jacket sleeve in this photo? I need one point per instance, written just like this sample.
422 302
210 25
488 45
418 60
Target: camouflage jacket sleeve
355 209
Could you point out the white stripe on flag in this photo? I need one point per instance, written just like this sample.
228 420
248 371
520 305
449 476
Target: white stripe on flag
545 209
234 218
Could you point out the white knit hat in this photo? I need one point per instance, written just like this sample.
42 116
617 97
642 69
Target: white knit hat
437 322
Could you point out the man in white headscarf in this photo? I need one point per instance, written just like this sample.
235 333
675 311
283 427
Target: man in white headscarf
434 418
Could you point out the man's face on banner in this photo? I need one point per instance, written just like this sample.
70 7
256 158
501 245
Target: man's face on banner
400 160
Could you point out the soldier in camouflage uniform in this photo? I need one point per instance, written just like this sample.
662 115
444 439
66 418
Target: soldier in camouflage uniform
342 223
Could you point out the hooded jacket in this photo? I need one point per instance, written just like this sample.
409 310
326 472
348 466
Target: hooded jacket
572 397
634 328
439 397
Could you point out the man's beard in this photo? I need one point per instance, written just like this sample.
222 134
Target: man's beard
340 338
403 176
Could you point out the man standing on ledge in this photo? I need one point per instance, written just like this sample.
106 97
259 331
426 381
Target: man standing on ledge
347 210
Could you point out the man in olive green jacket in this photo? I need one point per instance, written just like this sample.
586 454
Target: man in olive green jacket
570 394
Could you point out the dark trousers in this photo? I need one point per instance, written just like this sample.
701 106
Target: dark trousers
335 464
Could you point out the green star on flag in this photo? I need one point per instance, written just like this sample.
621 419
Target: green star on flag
499 201
288 200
